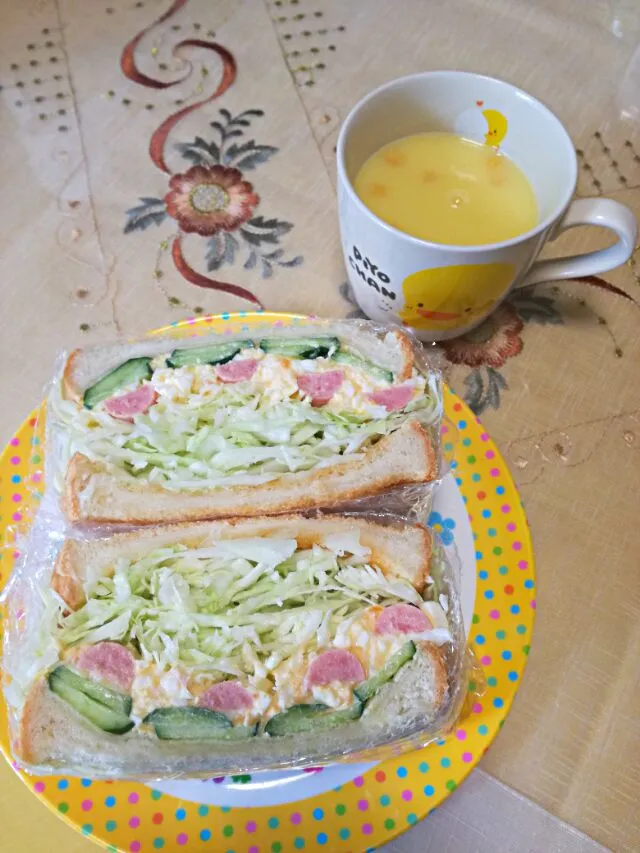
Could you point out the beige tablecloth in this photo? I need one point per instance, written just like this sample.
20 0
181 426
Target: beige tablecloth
88 252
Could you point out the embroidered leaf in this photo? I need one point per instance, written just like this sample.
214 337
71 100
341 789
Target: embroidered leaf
294 262
233 150
275 255
221 249
151 211
232 125
260 155
230 130
347 294
254 239
473 395
498 378
199 152
255 113
196 158
534 308
267 269
275 225
268 259
215 251
230 249
480 396
495 382
248 155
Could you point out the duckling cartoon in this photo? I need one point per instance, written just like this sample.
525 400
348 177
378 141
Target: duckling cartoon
497 127
447 298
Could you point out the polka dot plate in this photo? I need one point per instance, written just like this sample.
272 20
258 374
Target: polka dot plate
345 807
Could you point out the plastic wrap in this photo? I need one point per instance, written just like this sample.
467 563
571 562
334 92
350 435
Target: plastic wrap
33 612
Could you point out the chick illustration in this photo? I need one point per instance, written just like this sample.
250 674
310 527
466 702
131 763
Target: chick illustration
497 127
453 297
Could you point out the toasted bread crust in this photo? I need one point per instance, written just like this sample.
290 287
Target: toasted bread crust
324 487
25 749
67 573
70 390
79 471
407 351
440 669
403 549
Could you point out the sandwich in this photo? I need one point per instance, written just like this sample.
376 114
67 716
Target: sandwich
230 426
234 645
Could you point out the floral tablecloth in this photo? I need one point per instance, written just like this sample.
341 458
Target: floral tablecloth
120 121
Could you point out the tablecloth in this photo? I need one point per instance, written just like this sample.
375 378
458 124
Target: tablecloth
99 144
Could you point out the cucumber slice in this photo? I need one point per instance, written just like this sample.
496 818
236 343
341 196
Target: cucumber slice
300 347
104 718
300 719
119 702
370 687
187 723
213 354
135 368
364 364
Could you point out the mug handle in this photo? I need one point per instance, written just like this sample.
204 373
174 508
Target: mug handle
589 211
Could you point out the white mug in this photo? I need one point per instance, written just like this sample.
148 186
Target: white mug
443 291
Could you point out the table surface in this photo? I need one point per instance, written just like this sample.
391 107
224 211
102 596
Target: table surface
88 252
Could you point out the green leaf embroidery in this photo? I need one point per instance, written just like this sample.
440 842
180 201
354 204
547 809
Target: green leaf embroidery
256 234
277 226
531 307
254 239
248 155
481 394
199 152
261 154
151 211
294 262
221 249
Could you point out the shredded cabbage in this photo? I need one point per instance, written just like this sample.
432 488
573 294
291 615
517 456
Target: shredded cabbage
201 433
239 606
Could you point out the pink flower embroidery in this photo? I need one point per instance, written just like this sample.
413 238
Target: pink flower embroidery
491 343
207 199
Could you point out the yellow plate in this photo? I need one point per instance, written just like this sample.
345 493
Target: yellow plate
387 799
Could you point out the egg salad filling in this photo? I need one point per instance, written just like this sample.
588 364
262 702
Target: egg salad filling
255 612
202 431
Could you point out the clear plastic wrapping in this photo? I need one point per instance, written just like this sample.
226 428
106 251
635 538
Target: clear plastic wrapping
32 611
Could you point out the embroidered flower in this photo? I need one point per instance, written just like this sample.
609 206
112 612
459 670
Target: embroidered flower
207 199
444 527
491 343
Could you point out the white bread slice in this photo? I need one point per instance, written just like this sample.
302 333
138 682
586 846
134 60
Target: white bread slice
54 737
93 494
422 681
392 350
404 549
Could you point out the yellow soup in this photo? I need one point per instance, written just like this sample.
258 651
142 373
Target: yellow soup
447 189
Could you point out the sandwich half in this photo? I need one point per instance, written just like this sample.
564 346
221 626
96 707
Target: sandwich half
236 644
219 426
